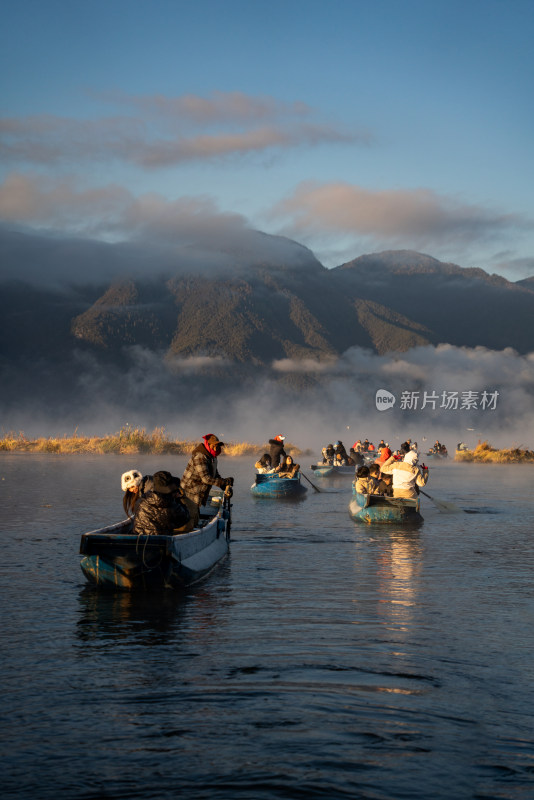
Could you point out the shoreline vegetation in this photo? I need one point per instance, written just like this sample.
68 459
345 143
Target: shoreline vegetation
484 453
127 441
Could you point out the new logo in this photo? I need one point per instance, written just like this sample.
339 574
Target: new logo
384 400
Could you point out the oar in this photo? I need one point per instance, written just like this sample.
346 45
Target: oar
311 484
443 505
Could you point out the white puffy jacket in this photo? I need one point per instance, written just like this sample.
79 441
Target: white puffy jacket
405 477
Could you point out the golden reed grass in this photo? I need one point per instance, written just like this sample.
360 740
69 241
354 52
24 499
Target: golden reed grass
128 440
484 453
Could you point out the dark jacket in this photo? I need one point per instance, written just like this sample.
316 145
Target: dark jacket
200 475
277 452
158 515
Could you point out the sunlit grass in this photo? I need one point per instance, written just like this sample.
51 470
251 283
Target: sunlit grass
486 454
129 440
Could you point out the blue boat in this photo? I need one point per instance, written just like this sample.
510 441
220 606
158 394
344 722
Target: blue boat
377 508
276 487
115 558
332 470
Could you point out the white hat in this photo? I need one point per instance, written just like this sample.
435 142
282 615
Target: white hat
130 479
411 457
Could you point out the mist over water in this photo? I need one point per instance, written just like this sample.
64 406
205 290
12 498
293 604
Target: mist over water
311 402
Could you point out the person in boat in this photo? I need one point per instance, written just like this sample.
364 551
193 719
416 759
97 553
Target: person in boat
407 476
383 482
289 469
355 457
405 447
365 483
340 461
277 452
201 473
357 446
134 486
381 444
328 454
339 448
385 453
264 465
161 511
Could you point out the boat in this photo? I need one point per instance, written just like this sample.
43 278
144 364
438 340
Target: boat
377 508
273 486
116 558
331 470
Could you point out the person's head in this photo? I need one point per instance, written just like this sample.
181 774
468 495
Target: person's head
411 458
130 480
165 483
387 477
374 470
130 483
213 444
363 472
279 438
289 461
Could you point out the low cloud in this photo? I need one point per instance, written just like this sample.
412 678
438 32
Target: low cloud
188 395
394 218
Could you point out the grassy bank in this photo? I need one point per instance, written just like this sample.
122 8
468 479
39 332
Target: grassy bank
128 440
484 453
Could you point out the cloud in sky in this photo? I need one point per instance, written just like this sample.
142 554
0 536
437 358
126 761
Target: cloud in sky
392 217
111 209
168 131
411 218
218 107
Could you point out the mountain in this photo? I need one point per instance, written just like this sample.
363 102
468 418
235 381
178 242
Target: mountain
171 334
386 302
526 283
464 307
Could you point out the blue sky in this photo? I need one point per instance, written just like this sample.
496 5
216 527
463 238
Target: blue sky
350 126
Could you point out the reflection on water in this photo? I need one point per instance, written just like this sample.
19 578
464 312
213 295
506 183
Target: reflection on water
324 659
115 615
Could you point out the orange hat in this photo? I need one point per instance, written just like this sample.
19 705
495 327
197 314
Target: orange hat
279 438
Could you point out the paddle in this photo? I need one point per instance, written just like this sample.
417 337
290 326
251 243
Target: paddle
311 484
443 505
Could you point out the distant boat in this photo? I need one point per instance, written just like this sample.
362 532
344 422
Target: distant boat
273 486
377 508
116 558
331 470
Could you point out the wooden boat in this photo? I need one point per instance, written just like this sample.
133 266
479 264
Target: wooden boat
276 487
377 508
114 557
332 470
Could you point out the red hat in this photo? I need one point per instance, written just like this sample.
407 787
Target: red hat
279 438
213 440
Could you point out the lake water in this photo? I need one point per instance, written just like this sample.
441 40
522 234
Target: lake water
323 659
